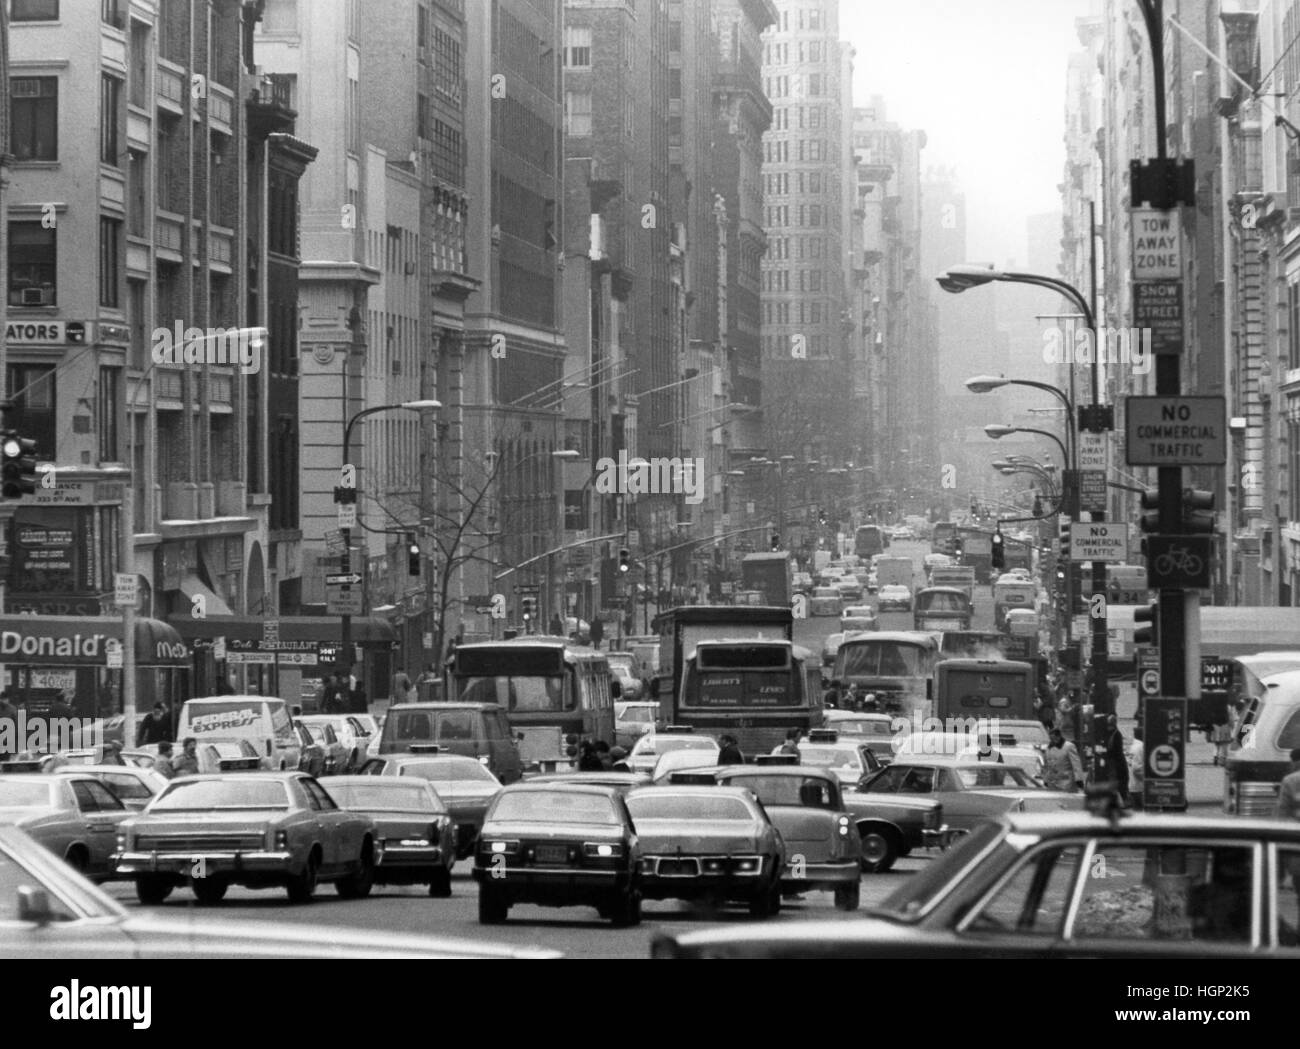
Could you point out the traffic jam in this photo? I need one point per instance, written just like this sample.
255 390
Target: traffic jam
716 769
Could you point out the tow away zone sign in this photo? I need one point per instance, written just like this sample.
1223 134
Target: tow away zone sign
1176 431
1099 542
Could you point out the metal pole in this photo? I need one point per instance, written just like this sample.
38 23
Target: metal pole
344 661
1102 703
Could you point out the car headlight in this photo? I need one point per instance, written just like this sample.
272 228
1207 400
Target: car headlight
844 825
602 850
500 848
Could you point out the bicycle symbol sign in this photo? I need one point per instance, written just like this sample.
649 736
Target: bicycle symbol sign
1178 561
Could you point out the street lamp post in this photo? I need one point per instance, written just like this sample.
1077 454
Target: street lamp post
347 494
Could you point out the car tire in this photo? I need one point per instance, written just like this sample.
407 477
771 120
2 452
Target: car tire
625 912
209 890
302 887
879 849
77 858
151 890
357 886
440 883
492 906
848 897
767 903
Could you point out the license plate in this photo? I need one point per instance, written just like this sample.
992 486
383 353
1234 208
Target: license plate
551 854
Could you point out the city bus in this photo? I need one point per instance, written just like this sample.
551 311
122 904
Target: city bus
870 540
896 665
755 689
555 693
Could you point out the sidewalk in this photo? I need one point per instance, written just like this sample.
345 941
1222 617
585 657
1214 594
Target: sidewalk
1204 778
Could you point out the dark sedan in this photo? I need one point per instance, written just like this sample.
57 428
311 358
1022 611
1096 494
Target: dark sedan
712 843
256 829
414 830
1067 885
558 845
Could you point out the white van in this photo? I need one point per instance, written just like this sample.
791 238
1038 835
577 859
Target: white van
263 721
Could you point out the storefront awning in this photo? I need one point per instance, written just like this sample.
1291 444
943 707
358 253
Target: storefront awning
84 641
370 630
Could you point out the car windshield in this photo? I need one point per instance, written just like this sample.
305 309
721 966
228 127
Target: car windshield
638 715
242 793
555 806
382 797
993 776
922 889
825 757
662 805
1016 733
862 727
667 744
19 795
448 771
803 792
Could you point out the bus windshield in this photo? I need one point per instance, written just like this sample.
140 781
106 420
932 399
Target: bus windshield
523 695
882 659
931 601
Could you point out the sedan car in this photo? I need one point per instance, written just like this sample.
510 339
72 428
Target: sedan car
894 598
823 848
825 601
351 732
848 760
255 829
311 755
830 646
229 755
970 792
140 758
652 746
465 786
559 845
622 666
415 833
632 721
850 588
709 843
1068 885
72 814
859 617
134 786
47 910
892 825
874 731
337 755
932 561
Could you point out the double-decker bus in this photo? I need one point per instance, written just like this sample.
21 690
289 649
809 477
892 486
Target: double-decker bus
554 692
755 689
870 540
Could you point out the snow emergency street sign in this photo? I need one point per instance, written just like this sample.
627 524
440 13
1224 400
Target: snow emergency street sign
1176 431
1099 542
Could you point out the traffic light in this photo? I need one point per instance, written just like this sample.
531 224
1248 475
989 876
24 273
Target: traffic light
959 547
776 542
1198 512
624 559
19 465
821 518
412 554
999 551
1148 635
527 604
1079 604
1038 506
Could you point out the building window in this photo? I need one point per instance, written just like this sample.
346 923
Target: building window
137 319
422 31
34 11
34 117
31 393
109 398
113 12
577 47
110 98
32 265
1293 332
422 115
110 274
577 113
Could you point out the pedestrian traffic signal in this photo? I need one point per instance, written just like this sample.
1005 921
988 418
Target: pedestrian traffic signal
624 559
19 465
412 554
999 551
1148 635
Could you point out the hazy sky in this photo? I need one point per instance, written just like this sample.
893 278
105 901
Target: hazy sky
985 79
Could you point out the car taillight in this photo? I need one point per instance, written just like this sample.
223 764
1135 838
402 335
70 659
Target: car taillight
281 840
844 826
499 848
602 850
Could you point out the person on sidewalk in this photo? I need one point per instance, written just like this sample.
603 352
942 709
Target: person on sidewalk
1137 758
1062 769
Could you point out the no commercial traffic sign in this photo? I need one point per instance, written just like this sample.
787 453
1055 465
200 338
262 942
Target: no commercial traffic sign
1176 431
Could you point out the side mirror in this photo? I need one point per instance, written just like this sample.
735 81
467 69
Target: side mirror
34 906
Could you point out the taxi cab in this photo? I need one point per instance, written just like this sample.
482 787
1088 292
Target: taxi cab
847 759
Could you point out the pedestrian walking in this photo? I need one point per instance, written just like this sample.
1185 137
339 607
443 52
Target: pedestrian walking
1116 758
588 759
1067 716
985 751
188 763
163 762
604 753
1062 769
1137 758
791 744
1288 795
156 725
730 753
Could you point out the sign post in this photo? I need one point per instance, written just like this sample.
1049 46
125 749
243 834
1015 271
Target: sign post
1164 728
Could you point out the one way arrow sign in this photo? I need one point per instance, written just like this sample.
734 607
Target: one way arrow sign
342 579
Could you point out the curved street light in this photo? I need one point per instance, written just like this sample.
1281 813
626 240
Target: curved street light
996 431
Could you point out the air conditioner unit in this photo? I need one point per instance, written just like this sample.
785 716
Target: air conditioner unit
38 296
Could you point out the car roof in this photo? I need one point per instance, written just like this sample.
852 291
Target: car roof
45 777
68 770
447 705
384 782
597 779
694 790
423 759
533 787
244 777
856 715
802 771
1135 824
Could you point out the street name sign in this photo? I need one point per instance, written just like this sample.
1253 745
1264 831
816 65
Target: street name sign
1176 431
1097 541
